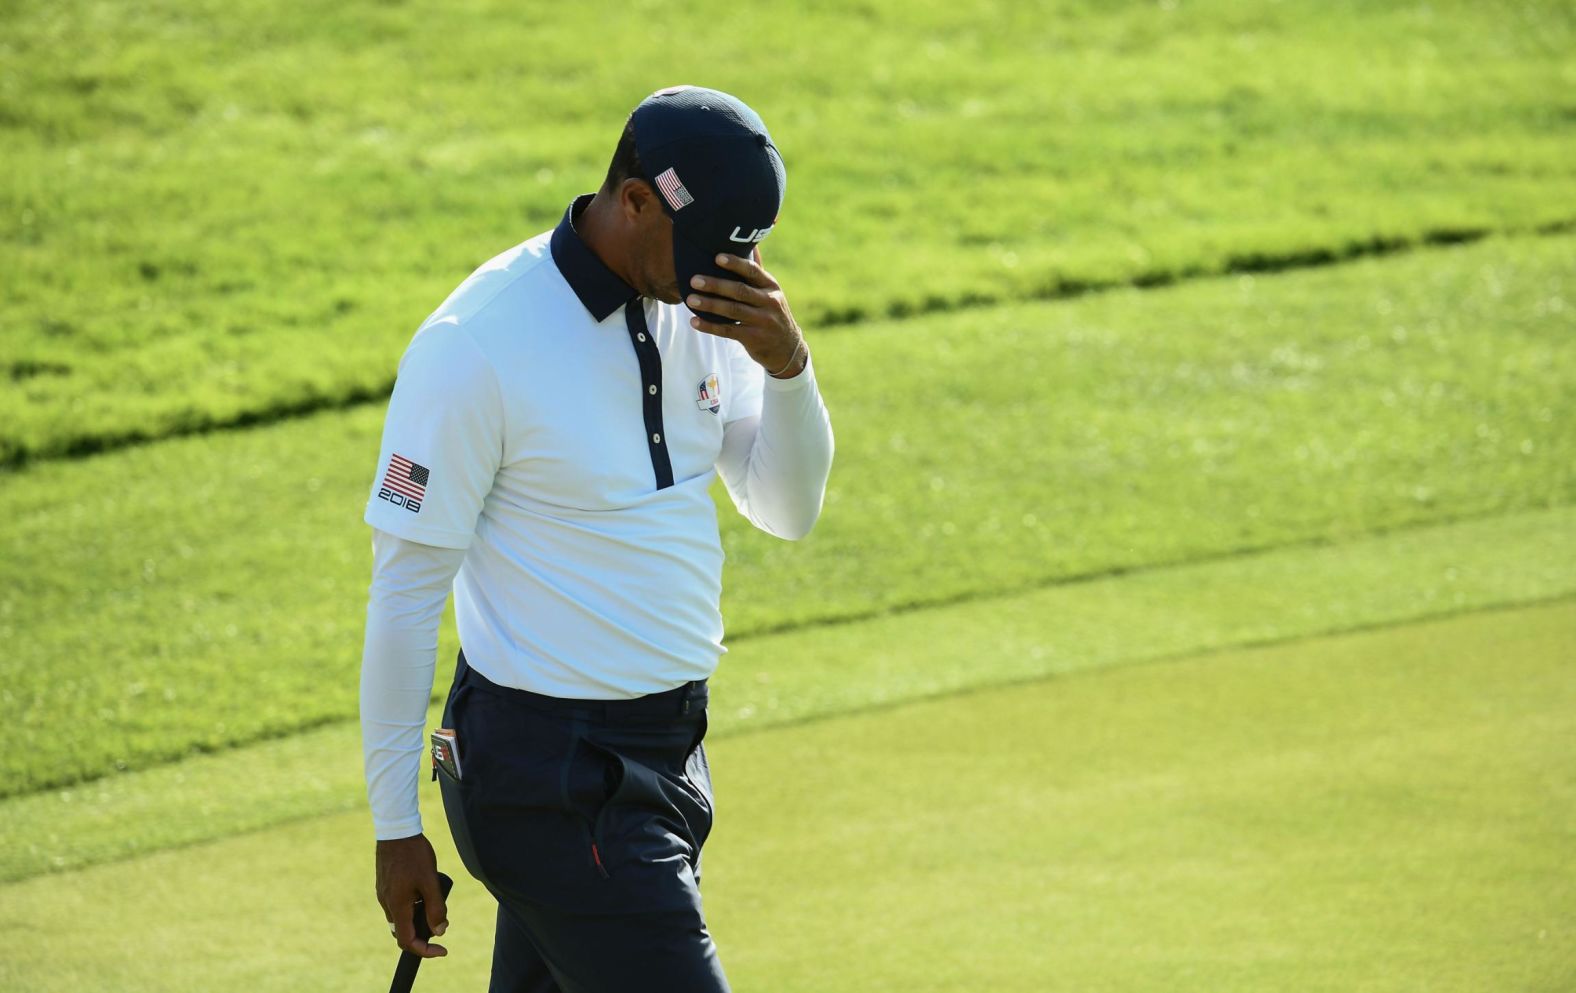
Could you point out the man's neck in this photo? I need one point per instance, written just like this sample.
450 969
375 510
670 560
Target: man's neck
597 226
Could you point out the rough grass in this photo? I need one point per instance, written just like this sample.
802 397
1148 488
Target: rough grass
209 591
1387 811
219 212
825 671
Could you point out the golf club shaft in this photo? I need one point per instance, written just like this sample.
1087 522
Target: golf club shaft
405 972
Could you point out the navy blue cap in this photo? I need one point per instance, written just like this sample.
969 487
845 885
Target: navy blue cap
718 175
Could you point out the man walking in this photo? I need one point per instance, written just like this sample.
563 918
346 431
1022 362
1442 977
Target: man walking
548 448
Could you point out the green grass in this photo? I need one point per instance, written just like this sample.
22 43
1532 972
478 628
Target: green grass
1030 710
1389 811
215 212
215 586
1381 811
819 672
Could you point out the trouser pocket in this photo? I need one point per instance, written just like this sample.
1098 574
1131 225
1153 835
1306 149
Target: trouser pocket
456 801
638 813
697 772
456 793
579 815
592 780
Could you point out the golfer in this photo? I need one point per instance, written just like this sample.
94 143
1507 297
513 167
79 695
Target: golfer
548 450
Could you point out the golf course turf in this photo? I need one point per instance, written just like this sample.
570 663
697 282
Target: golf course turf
980 453
821 672
1387 810
224 212
1194 603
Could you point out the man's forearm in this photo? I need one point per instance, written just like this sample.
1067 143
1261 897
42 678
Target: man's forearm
776 469
410 583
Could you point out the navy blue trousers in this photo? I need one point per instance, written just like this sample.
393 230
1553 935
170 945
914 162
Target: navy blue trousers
585 820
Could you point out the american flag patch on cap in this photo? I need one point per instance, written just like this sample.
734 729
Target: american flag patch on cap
404 484
673 191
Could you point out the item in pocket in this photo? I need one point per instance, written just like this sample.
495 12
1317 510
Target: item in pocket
445 752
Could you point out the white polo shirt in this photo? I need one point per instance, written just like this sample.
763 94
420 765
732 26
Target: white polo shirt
568 445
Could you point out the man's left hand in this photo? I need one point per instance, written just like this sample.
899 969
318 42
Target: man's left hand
766 326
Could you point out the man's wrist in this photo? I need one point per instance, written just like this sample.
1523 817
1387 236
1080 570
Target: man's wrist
399 831
800 382
399 841
796 364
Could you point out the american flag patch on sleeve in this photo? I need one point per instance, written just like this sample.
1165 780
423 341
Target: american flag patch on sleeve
673 191
404 484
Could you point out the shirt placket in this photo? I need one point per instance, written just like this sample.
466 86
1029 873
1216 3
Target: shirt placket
651 387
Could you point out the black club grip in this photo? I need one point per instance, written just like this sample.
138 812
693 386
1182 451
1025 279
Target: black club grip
409 962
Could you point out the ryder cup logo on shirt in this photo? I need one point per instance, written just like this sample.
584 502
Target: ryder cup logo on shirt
405 484
709 396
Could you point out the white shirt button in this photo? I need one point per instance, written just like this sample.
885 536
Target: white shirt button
652 389
656 439
640 335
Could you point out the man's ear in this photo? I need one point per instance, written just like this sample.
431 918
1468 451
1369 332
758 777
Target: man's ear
635 197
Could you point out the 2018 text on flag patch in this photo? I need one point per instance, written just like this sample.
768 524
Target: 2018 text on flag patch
405 484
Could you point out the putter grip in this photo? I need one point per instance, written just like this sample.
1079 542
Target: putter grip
409 962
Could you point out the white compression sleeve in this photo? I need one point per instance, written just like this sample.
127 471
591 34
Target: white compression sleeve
410 584
775 466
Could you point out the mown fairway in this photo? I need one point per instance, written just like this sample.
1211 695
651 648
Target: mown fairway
1386 812
1193 605
810 673
221 211
218 586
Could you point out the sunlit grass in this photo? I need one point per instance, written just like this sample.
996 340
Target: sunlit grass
208 591
824 671
215 212
1386 811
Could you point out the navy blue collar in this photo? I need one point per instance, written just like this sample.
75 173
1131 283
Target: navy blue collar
597 286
